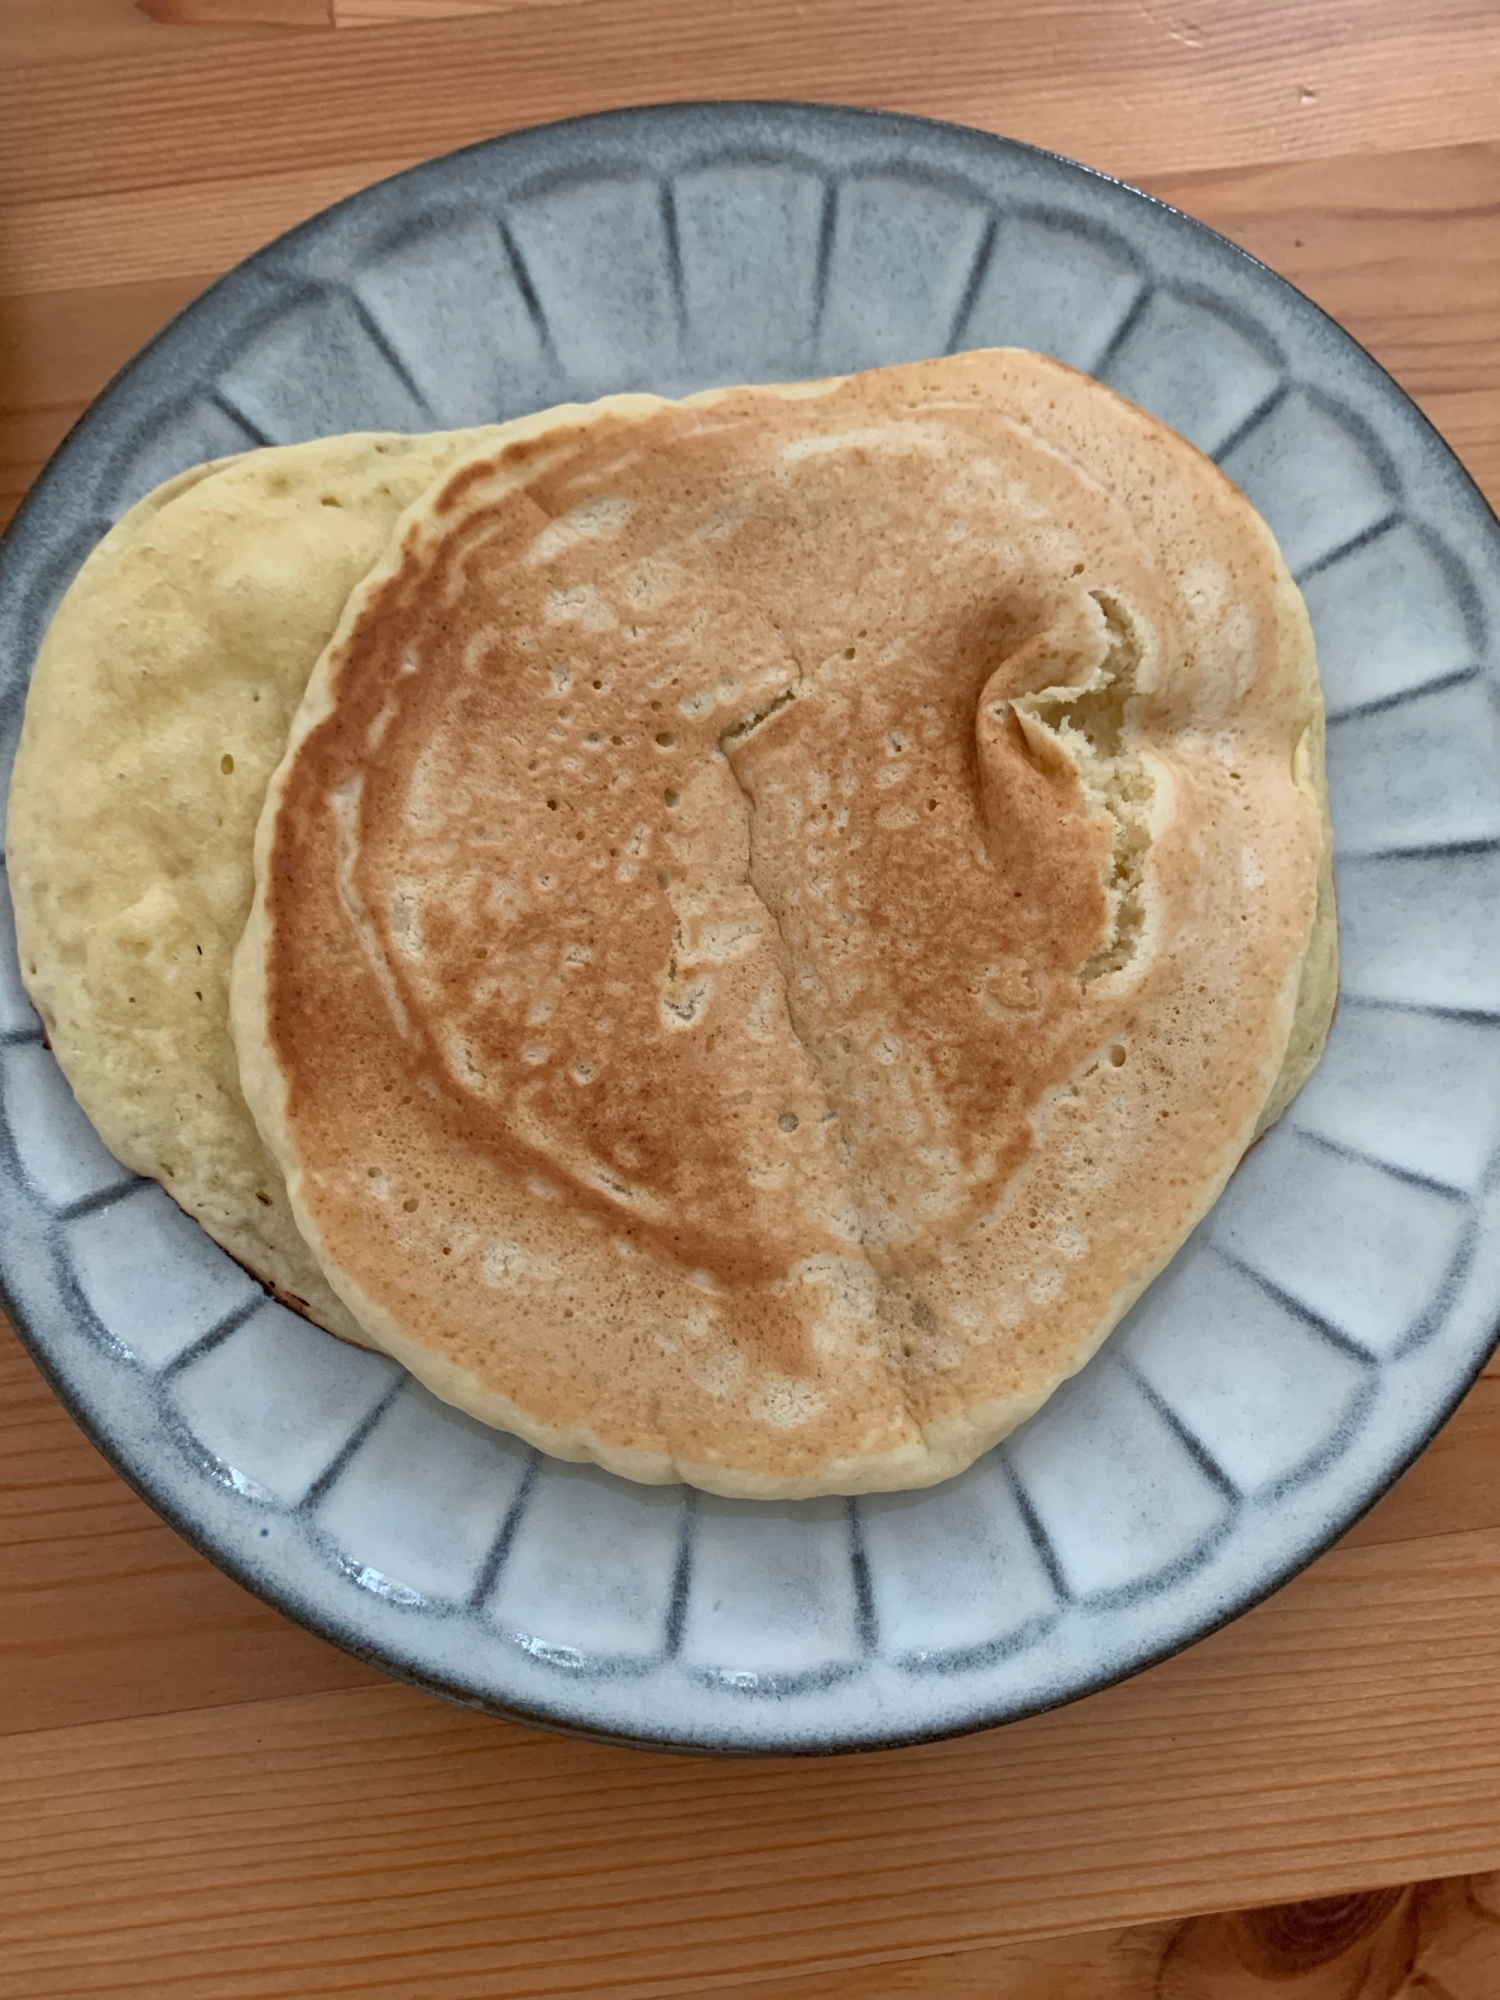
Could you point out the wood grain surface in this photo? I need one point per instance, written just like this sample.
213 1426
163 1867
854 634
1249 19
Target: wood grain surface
203 1802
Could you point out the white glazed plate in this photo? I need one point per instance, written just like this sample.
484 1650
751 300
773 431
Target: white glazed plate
1320 1324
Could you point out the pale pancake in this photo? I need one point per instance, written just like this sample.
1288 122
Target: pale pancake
780 913
158 709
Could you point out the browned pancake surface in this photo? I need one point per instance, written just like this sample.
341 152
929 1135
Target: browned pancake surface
783 910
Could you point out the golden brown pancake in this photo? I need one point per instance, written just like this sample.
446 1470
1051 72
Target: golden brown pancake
780 913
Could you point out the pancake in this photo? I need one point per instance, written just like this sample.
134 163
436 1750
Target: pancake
158 709
780 913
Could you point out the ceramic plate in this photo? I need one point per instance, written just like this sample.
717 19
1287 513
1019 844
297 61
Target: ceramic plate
1317 1328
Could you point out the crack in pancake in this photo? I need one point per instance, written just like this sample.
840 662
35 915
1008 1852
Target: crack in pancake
1087 725
774 864
761 830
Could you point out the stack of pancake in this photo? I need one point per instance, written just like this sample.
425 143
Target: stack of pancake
732 937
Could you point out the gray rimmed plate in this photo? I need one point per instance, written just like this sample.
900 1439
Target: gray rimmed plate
1307 1341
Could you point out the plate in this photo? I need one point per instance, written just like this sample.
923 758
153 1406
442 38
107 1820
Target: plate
1314 1332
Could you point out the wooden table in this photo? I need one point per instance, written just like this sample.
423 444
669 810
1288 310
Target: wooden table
205 1800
